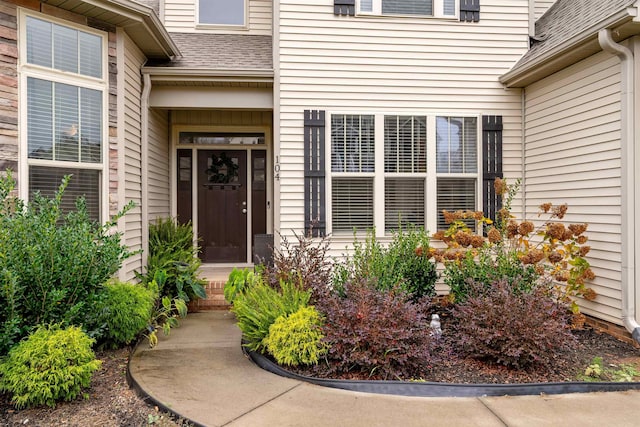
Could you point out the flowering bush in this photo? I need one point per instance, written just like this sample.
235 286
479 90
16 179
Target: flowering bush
519 252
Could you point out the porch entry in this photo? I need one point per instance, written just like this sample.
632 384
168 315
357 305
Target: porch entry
229 200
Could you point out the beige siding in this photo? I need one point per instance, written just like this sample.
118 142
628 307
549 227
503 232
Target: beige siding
132 90
386 64
221 118
573 156
180 16
158 182
541 6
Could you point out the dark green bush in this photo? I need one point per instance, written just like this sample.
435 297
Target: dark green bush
53 364
515 329
376 333
171 250
52 264
297 338
127 312
402 264
260 305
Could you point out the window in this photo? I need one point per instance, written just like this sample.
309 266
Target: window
430 163
352 165
222 12
437 8
65 89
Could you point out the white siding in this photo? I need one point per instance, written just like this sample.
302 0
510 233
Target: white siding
573 155
132 90
180 16
391 64
158 182
541 6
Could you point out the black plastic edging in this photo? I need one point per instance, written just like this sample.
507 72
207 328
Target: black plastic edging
148 398
433 389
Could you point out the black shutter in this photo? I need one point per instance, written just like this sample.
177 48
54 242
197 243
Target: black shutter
491 163
344 7
470 10
314 172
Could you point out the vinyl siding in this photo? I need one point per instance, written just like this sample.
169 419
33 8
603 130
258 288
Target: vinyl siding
541 6
395 65
158 183
132 90
221 118
572 154
180 16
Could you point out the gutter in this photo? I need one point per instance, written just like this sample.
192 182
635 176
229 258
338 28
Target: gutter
628 190
144 172
209 74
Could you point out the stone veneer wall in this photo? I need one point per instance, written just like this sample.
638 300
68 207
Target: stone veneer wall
9 86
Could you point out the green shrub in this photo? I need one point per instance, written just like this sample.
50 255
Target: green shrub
52 264
52 364
171 249
515 329
296 339
238 282
165 312
402 264
128 311
259 307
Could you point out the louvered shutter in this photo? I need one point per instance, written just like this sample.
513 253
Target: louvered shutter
491 163
344 7
470 10
314 172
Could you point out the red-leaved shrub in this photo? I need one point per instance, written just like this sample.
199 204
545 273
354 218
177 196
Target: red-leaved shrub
515 329
375 333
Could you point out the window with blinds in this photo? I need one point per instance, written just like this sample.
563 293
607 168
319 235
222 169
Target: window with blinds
352 143
405 144
352 204
456 144
456 194
65 89
222 12
404 201
441 8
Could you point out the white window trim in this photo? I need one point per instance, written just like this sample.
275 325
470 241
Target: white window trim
26 70
438 10
239 27
379 176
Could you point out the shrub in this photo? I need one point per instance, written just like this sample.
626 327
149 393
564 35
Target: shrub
304 262
171 249
165 312
376 333
127 312
239 281
259 307
52 364
514 329
296 339
401 264
52 264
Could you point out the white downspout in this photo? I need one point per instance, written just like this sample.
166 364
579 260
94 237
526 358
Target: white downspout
144 146
627 142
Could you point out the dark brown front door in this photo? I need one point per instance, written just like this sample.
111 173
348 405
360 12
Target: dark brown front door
222 205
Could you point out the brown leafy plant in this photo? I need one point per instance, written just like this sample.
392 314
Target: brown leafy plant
554 251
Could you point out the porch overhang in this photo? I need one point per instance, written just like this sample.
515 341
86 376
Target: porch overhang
624 25
140 22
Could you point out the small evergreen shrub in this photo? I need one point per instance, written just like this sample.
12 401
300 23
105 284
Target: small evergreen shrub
296 339
259 307
127 312
515 329
377 333
52 364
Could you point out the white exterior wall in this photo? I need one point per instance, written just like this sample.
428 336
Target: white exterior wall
388 64
180 16
158 182
541 6
573 155
129 133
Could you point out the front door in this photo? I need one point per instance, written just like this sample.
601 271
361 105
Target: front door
222 205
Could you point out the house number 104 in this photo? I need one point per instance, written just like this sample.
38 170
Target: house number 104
276 169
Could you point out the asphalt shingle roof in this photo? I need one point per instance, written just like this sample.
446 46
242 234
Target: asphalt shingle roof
222 51
566 19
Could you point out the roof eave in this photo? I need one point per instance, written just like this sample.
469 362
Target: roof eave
571 50
166 74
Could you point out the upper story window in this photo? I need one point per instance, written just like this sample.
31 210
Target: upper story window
64 79
222 12
436 8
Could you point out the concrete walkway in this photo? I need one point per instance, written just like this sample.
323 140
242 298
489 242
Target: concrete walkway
200 373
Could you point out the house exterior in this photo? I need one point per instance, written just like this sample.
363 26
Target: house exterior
254 118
